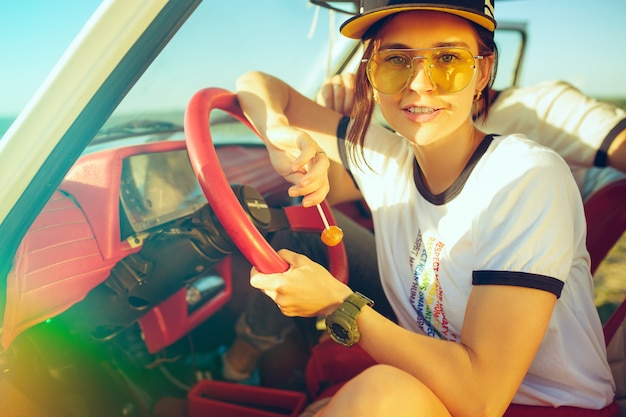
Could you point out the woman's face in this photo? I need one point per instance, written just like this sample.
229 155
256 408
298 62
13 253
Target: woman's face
422 112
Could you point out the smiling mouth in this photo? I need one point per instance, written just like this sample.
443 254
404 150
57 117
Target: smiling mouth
421 110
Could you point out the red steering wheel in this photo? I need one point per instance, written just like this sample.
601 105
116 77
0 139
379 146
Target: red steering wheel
221 198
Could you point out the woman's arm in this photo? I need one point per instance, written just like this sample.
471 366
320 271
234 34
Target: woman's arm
503 328
295 129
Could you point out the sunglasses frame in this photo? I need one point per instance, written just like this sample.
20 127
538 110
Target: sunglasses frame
429 66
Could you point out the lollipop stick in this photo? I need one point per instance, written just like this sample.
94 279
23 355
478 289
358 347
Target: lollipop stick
323 216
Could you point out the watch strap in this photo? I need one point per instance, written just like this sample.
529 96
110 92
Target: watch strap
341 324
358 300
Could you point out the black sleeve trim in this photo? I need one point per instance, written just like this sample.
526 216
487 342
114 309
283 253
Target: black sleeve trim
519 279
602 155
342 129
343 152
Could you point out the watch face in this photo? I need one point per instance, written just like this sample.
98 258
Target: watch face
339 332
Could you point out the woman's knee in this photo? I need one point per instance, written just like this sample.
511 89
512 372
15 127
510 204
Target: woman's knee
383 390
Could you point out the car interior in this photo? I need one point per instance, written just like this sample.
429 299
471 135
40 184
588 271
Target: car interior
138 264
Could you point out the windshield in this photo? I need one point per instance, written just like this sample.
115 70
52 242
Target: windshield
207 54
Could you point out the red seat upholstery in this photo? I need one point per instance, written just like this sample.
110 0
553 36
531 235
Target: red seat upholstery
606 220
606 223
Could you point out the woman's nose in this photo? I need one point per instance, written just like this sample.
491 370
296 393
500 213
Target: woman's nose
420 78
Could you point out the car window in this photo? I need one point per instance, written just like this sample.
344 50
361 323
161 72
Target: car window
205 53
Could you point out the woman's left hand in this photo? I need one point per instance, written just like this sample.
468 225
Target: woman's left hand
307 289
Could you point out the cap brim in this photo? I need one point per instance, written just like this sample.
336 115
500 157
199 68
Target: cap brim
356 26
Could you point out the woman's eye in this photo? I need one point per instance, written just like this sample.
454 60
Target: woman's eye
397 60
447 58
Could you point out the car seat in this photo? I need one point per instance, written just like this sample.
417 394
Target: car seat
606 222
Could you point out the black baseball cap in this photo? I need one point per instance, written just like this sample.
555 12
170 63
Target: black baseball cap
371 11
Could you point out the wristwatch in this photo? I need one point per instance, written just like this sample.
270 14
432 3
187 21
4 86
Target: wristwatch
341 323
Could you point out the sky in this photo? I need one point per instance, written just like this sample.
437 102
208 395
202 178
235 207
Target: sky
580 42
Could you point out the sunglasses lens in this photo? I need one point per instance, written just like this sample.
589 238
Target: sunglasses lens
389 71
452 69
449 69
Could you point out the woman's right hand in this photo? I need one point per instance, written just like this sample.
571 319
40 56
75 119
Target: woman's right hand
275 109
299 159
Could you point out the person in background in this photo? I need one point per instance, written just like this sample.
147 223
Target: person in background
480 238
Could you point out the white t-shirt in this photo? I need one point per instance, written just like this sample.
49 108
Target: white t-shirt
514 217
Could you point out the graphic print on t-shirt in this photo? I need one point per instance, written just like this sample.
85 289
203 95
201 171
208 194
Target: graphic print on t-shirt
425 293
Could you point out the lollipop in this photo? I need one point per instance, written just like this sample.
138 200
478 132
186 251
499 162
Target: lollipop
332 235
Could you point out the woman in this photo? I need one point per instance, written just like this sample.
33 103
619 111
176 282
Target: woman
480 238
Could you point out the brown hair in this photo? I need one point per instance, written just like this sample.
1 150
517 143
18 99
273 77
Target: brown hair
364 92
